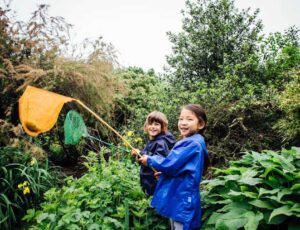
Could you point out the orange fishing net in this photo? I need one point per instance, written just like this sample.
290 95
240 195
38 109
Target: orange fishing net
39 109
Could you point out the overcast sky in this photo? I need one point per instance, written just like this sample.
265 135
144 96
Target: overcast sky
137 28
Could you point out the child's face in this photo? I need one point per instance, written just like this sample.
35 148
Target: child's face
153 129
188 123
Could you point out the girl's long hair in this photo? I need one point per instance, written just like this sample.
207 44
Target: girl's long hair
201 115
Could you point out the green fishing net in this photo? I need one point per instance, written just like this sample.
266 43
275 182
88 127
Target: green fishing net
74 128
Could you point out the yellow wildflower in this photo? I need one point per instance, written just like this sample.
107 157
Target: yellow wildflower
26 190
20 186
138 140
130 133
25 183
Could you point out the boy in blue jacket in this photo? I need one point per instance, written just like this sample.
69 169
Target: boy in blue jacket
177 193
159 144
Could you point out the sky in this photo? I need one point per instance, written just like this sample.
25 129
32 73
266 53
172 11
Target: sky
137 28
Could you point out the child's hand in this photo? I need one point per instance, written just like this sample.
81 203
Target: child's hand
135 152
143 159
157 175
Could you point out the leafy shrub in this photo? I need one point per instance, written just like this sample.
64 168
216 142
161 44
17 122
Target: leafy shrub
107 197
262 190
23 180
289 125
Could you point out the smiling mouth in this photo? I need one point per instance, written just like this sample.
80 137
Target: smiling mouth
184 129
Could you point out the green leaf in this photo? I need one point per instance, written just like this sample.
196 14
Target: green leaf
296 187
213 218
94 226
30 214
242 194
283 192
253 220
284 210
234 219
42 217
263 191
262 204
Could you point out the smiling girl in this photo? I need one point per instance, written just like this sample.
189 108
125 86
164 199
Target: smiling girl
160 142
177 193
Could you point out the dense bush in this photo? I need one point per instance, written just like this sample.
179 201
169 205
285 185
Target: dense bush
289 125
107 197
23 181
260 191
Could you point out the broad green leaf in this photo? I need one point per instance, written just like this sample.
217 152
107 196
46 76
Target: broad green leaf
259 157
233 223
296 209
273 181
283 192
213 218
267 163
285 163
253 220
267 171
214 182
284 210
250 181
232 177
30 214
234 219
263 191
262 204
296 187
94 226
237 206
42 217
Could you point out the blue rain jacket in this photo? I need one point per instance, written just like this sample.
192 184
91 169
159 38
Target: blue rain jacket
160 146
177 194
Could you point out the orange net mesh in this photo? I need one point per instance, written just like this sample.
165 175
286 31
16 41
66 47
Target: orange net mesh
39 109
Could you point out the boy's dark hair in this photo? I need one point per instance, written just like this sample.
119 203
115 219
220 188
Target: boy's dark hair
201 115
159 117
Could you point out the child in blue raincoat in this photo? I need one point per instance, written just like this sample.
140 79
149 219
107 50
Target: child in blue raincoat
177 193
159 144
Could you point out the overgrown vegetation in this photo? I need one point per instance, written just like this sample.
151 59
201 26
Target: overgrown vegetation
260 191
247 81
23 181
107 197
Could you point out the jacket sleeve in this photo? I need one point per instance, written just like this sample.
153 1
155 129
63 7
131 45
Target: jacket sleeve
177 159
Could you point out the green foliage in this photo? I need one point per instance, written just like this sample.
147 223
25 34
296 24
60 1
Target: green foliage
107 197
289 125
35 55
145 94
221 60
23 180
259 191
212 31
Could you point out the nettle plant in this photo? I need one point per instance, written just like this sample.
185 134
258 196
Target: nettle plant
260 191
107 197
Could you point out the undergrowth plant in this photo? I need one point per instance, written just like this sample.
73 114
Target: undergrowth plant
260 191
107 197
23 180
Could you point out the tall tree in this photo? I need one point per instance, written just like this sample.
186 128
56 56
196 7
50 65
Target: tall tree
212 31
